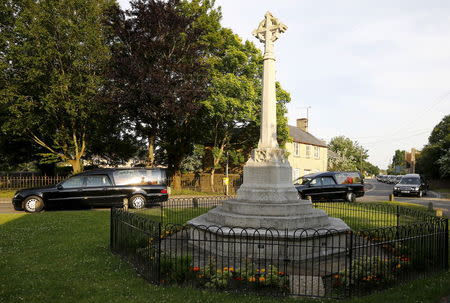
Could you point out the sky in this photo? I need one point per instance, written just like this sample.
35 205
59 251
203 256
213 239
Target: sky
377 72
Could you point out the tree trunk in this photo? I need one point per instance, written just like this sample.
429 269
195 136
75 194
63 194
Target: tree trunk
151 151
216 162
176 184
211 180
77 166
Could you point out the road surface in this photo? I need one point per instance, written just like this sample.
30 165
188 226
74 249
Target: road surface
377 191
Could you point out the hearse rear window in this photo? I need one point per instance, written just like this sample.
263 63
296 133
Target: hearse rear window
348 178
139 177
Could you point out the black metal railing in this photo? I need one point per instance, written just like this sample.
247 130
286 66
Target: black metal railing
392 244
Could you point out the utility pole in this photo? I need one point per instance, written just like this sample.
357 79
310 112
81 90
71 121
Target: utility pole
361 161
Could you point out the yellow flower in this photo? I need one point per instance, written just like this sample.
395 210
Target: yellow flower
251 279
263 270
230 269
399 265
225 269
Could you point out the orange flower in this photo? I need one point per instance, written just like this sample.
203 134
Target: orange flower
399 265
239 278
281 273
336 276
262 279
196 268
251 279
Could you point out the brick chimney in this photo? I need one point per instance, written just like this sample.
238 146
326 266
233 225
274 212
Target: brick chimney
302 124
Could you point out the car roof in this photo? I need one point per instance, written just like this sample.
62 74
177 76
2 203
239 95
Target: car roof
412 176
329 173
109 170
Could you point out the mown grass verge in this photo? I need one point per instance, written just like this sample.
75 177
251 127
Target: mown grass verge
63 256
7 193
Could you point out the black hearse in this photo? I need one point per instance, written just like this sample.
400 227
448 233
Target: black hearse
411 184
98 188
331 186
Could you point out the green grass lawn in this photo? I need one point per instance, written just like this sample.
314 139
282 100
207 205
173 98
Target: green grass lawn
445 192
7 193
63 256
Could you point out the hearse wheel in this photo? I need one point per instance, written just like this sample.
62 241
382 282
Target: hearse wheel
137 201
351 197
33 204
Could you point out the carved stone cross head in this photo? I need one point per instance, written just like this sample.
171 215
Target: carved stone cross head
269 29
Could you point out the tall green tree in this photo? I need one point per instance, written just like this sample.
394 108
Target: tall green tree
398 165
57 51
351 155
158 73
433 160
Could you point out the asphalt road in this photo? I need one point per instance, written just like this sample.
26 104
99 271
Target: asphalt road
377 191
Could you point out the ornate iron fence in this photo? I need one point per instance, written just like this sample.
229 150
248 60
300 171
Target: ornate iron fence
406 244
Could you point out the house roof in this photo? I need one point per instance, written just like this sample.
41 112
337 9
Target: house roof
301 136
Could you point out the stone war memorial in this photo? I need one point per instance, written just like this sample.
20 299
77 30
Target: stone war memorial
267 200
267 240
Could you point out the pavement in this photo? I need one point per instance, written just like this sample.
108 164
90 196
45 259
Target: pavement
375 192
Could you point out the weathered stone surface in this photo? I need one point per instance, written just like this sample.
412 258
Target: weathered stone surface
267 199
307 285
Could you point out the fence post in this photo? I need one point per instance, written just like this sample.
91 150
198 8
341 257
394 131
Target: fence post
446 244
195 202
398 222
111 230
350 264
158 266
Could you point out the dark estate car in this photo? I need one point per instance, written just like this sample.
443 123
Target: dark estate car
331 186
411 184
98 188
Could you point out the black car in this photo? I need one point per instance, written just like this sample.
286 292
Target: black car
411 184
331 186
98 188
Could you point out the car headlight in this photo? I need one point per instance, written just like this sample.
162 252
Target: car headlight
396 188
416 188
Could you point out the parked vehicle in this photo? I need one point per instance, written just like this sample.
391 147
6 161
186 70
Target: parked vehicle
331 186
98 188
411 184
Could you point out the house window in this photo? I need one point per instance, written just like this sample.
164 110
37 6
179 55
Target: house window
296 175
308 151
296 149
316 152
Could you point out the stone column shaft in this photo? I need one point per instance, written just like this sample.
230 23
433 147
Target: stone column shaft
268 131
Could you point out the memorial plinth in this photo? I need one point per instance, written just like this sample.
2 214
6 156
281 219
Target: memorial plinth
267 199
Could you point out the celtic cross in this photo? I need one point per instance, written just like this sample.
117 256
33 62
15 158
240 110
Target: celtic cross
268 32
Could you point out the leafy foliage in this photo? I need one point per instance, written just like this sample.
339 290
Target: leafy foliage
158 72
350 154
54 60
434 159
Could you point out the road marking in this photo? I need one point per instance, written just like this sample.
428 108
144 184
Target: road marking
369 190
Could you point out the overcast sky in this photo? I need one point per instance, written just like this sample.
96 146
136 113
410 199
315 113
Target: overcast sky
375 71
